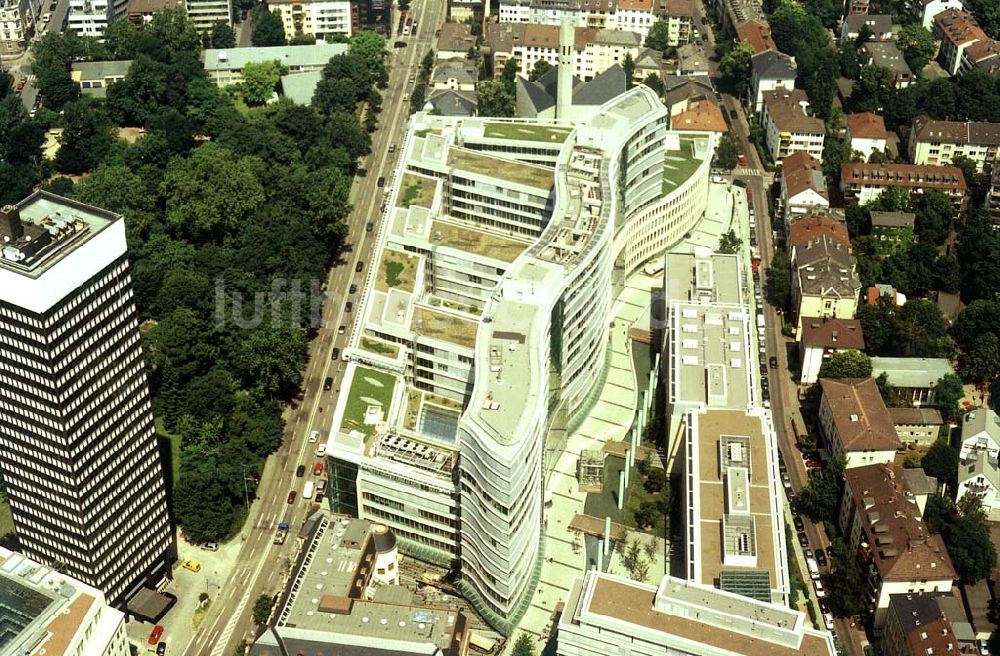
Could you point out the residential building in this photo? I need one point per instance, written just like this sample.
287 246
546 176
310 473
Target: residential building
857 7
682 89
983 55
787 126
805 230
881 522
879 27
956 30
913 378
863 183
504 275
637 16
866 133
94 498
937 142
917 426
855 423
823 336
47 612
361 601
206 13
625 15
648 62
300 87
926 10
803 187
678 14
594 50
892 230
225 66
916 623
692 60
140 12
609 614
458 74
17 23
733 13
319 18
94 78
538 99
466 10
824 280
979 476
879 293
757 33
90 17
697 116
770 70
455 41
993 196
885 54
920 485
376 15
453 103
980 434
733 531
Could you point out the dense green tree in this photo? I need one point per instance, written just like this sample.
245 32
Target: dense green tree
370 48
977 318
966 535
850 63
260 79
946 274
117 188
335 95
658 37
209 194
978 244
836 153
222 36
734 68
730 243
262 609
268 29
917 45
540 68
947 393
21 138
935 216
846 582
654 82
628 65
121 38
495 99
873 91
173 30
779 281
524 646
818 70
17 181
86 138
858 218
827 11
846 364
727 152
941 462
980 364
820 499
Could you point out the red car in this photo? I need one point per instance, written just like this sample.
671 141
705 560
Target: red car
291 497
20 84
742 160
318 469
154 636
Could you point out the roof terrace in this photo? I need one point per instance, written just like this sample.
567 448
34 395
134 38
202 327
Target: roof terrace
529 175
679 165
478 242
444 326
526 132
368 400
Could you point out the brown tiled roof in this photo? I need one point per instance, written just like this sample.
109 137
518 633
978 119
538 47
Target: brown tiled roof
799 160
673 7
641 5
700 115
786 110
933 638
899 543
957 132
865 125
903 175
981 50
859 414
958 27
832 333
815 225
138 7
757 34
920 416
804 179
456 37
64 626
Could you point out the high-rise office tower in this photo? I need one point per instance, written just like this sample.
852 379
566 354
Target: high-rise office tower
78 452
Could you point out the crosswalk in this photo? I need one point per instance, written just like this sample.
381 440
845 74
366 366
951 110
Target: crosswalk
748 170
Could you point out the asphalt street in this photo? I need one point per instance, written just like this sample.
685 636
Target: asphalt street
264 565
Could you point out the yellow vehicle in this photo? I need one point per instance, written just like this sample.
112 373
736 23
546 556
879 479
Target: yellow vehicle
192 565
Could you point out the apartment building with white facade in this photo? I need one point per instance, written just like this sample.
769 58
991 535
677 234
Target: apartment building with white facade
594 50
788 128
770 70
320 18
17 23
206 13
980 434
483 329
625 15
979 477
608 614
78 450
90 17
47 612
936 143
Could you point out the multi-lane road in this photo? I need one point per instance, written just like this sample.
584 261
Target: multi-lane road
263 566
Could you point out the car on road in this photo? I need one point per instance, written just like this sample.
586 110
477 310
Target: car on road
399 44
820 592
828 621
314 437
210 546
328 384
704 20
773 362
742 159
821 558
192 565
786 480
412 78
353 289
381 181
161 649
335 353
341 330
318 469
360 266
154 635
813 464
46 17
348 306
406 97
807 553
392 148
803 539
321 451
20 84
733 115
799 524
369 226
291 497
300 471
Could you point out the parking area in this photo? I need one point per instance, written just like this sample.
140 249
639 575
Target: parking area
214 569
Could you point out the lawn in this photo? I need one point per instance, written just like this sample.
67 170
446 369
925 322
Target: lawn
518 172
380 347
175 449
444 326
6 519
417 190
396 271
678 166
368 387
550 134
476 241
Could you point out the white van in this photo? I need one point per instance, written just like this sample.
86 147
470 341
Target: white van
813 568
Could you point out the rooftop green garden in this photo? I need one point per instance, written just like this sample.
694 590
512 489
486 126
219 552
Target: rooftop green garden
369 387
416 190
379 347
446 327
539 177
547 133
679 165
475 241
396 271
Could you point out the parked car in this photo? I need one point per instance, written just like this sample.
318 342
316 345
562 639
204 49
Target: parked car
161 649
348 306
210 546
335 353
360 266
392 148
341 330
820 592
20 84
328 384
399 44
369 226
321 451
353 289
828 621
314 436
807 553
300 471
318 469
291 497
191 565
773 362
799 524
803 539
821 558
154 635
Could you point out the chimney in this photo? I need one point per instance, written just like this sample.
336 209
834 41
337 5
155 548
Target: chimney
11 229
564 79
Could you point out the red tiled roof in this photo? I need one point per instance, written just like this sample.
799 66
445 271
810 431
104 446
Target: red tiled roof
757 34
859 414
903 175
832 333
865 125
814 225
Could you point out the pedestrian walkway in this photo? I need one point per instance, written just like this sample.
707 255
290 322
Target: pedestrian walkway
748 171
609 419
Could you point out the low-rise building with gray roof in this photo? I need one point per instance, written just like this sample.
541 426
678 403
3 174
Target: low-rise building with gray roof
770 70
913 378
458 74
980 434
224 66
885 54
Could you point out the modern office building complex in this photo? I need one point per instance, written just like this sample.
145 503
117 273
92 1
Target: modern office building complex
46 612
483 335
77 447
